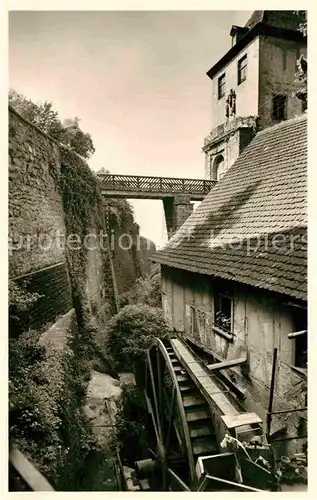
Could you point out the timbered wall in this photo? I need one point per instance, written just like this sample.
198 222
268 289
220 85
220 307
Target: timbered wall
260 323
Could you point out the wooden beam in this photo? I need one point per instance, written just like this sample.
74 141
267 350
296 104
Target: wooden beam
296 334
242 419
34 479
235 388
239 486
183 486
227 363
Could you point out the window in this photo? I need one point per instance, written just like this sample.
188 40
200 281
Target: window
300 324
218 168
223 312
301 351
299 337
221 85
242 69
279 107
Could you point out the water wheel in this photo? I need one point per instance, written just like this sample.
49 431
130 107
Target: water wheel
179 419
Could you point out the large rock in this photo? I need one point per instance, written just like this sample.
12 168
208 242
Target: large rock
102 401
103 396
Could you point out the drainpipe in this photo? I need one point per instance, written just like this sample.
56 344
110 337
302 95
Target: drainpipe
269 414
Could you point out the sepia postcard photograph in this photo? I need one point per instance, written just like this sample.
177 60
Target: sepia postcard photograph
157 251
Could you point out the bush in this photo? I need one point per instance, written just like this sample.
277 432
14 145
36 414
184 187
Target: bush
145 291
46 392
35 383
131 332
20 306
131 425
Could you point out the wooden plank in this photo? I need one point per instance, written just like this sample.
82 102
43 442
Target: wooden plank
200 377
203 430
240 486
296 334
174 477
227 363
205 444
193 400
235 388
193 416
35 480
233 421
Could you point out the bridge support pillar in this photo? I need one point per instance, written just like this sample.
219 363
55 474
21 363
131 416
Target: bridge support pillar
177 209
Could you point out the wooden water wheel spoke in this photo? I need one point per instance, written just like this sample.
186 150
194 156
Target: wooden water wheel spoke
185 429
168 414
168 434
159 390
159 430
151 412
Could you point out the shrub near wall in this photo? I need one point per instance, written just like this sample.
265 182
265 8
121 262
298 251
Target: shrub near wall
46 387
131 332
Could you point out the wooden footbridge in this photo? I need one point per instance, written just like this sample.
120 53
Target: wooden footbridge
156 188
176 193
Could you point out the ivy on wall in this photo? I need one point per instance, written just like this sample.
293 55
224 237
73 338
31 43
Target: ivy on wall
83 211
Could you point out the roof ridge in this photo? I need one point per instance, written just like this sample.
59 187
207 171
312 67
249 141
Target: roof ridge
282 124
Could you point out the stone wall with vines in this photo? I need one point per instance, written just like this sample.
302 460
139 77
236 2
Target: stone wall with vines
52 189
84 215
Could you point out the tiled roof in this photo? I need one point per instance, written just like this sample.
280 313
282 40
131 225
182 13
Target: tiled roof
255 18
286 19
263 195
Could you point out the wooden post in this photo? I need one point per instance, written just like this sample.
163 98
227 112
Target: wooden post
33 478
269 413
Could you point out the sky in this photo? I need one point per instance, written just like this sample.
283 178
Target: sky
136 79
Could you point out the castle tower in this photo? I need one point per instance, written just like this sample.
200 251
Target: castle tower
253 85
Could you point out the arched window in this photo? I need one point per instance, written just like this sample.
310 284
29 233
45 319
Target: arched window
218 167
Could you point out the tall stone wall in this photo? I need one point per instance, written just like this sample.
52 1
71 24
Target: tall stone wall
35 204
39 226
54 202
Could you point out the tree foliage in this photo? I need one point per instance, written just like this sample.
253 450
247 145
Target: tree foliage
131 425
145 291
46 390
46 119
103 170
20 306
131 333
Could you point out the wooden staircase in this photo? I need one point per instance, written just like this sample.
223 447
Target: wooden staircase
202 436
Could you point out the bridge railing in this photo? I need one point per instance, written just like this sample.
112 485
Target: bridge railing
137 183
